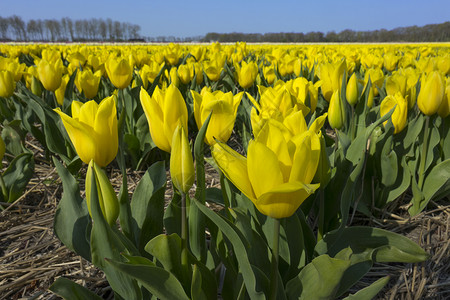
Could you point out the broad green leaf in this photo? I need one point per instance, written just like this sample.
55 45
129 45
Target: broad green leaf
17 175
413 130
403 181
172 215
204 284
161 283
387 246
70 290
388 164
72 222
318 280
147 205
369 292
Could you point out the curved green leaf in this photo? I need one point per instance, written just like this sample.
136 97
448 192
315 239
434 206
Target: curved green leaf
69 290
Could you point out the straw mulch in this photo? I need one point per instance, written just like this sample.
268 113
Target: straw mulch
32 257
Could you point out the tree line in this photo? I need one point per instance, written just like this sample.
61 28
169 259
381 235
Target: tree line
427 33
66 30
13 28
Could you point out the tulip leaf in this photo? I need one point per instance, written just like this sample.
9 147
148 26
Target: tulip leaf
204 284
436 185
239 246
402 182
445 136
72 223
106 244
161 283
433 141
369 292
70 290
386 246
147 205
172 215
13 136
318 280
388 164
413 130
17 175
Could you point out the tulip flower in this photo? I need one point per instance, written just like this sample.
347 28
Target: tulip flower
60 92
184 74
276 175
93 130
7 84
431 93
304 91
224 107
119 72
181 163
376 77
163 111
246 74
50 74
269 74
88 82
336 112
331 75
352 93
399 116
444 108
107 197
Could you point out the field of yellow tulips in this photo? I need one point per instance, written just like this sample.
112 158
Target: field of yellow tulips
322 155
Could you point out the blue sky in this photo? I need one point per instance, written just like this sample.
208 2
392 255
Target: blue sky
196 18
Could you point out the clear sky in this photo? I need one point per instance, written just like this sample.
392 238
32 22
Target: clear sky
197 17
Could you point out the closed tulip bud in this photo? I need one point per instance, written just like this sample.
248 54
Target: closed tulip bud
336 111
119 72
352 93
107 197
50 74
36 87
431 93
7 84
93 130
444 109
181 163
184 74
399 116
164 109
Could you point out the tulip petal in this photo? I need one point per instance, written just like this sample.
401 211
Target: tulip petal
234 167
283 200
174 111
88 113
105 126
306 158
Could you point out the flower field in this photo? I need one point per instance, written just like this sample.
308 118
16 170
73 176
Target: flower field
232 171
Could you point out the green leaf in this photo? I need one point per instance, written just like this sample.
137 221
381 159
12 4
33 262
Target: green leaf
172 215
18 174
161 283
388 164
105 244
369 292
239 247
386 246
318 280
413 130
436 183
147 205
402 182
72 222
204 285
69 290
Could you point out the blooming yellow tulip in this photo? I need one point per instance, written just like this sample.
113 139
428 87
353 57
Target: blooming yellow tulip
399 116
431 93
7 84
50 74
107 197
164 109
276 174
246 74
119 72
181 163
184 74
88 82
444 109
93 130
60 92
331 75
224 109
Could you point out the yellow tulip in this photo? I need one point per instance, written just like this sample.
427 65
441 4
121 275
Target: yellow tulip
181 163
444 109
184 74
119 72
352 93
376 77
164 109
174 80
431 93
88 82
50 74
224 109
399 116
93 130
276 175
7 84
304 90
60 92
331 75
269 74
336 111
246 74
107 197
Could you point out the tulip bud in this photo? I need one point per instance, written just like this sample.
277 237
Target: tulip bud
119 72
352 94
323 173
336 111
181 163
7 84
50 74
174 77
444 109
107 197
36 87
184 74
431 93
399 115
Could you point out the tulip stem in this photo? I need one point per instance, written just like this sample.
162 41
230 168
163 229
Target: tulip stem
184 254
321 214
274 273
423 157
4 190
